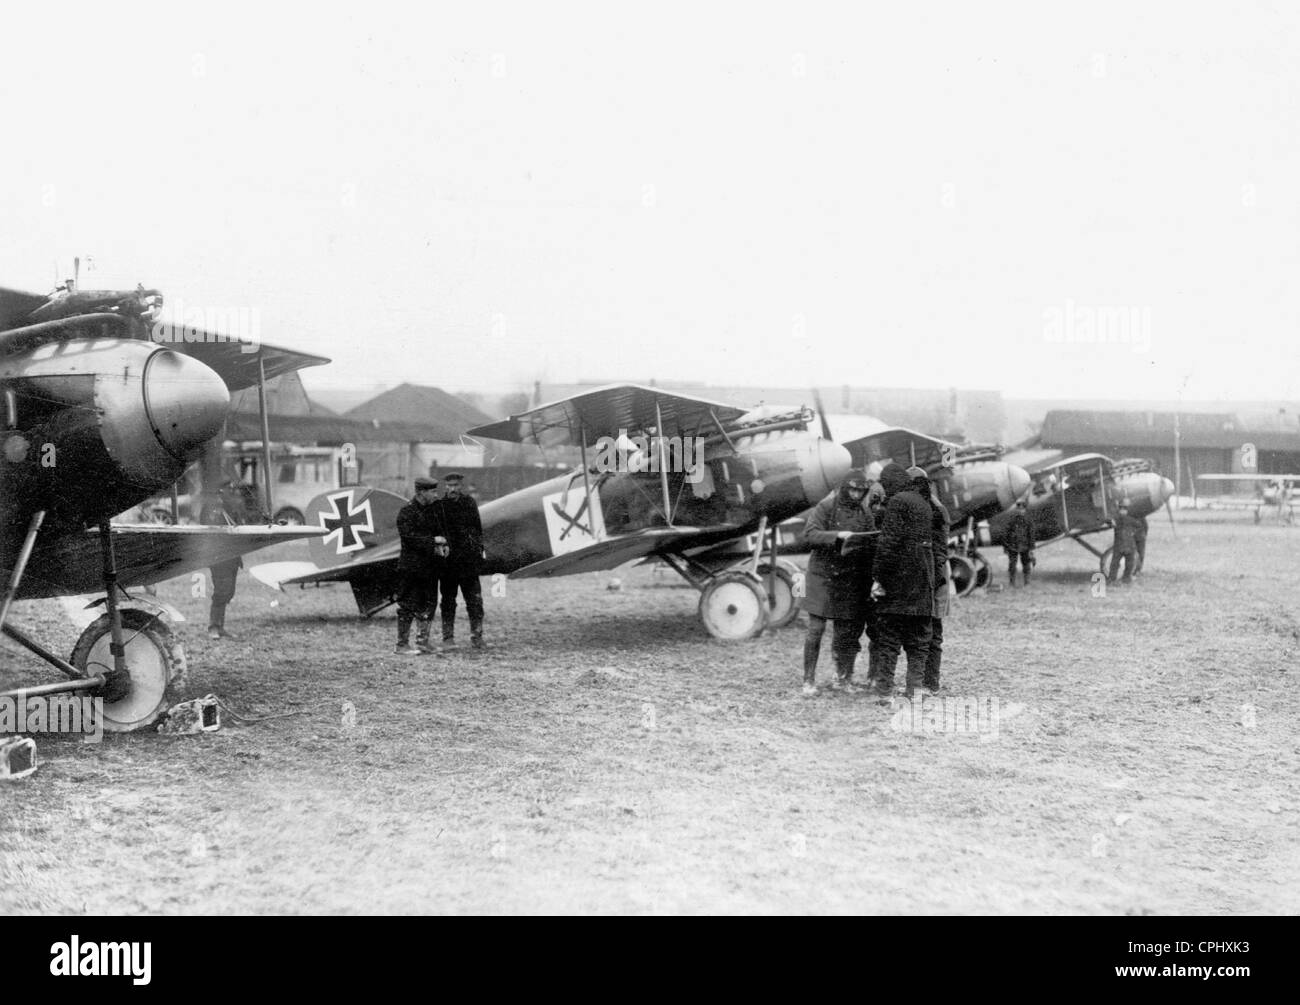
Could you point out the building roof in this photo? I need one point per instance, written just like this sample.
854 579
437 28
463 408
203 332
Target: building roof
285 395
324 430
1211 430
438 416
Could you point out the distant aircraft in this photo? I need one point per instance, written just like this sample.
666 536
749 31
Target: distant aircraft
1079 496
630 500
97 418
1279 491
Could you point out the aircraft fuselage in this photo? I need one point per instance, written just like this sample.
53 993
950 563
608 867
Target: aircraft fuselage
776 473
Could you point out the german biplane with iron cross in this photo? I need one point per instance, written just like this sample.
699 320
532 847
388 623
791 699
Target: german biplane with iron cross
754 468
1072 498
98 416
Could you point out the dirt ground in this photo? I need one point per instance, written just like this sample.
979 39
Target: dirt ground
1134 753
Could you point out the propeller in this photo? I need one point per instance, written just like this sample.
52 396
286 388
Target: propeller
821 413
1169 508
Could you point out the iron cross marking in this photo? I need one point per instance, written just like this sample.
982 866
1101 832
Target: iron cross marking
347 524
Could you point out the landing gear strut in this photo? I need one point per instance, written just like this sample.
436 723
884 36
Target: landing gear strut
129 657
740 599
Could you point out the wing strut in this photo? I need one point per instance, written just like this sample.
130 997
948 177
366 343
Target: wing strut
663 465
586 483
730 442
266 435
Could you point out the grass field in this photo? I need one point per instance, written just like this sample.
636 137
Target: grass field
1136 753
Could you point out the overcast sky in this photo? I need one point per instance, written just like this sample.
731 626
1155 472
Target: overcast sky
911 195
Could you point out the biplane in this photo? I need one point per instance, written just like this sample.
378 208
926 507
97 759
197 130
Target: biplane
98 416
1075 497
1279 492
639 493
973 482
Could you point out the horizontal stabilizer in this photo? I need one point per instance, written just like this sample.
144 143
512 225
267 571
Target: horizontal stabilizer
276 574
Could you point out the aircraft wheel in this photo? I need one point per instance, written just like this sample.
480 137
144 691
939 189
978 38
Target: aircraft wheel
983 572
783 607
155 662
961 570
733 607
1105 561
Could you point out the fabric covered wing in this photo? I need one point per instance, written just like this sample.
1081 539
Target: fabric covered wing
16 307
902 446
236 363
606 410
615 551
73 564
383 558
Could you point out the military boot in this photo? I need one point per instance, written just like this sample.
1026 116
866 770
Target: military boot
844 674
422 635
886 664
476 633
404 647
217 623
812 648
449 630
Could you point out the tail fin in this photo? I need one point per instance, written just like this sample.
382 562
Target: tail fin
356 519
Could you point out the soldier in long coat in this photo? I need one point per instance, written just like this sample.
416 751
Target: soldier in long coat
940 523
1127 529
904 574
458 515
837 583
1018 542
423 555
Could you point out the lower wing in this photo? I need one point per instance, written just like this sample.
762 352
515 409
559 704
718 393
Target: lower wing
615 551
73 564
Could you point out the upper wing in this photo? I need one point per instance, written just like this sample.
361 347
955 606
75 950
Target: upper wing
237 362
615 551
16 307
604 412
903 446
1248 478
73 564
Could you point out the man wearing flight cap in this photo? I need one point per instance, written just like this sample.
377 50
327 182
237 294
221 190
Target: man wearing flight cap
424 551
459 519
940 523
837 580
904 574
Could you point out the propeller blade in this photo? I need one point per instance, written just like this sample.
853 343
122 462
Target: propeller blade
821 413
1169 507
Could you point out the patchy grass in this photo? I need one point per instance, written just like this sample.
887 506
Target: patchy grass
608 756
